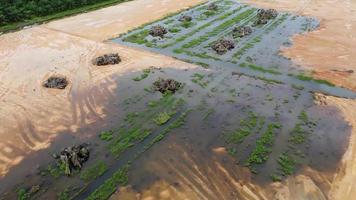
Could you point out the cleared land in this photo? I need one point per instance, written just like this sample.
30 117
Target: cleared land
238 122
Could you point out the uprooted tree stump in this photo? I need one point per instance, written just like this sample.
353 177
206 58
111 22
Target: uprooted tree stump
166 85
72 158
56 82
264 15
241 31
158 31
185 18
107 59
212 6
222 46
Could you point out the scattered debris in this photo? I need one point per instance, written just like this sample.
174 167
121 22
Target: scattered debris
265 15
241 31
185 18
222 46
72 158
320 99
166 85
107 59
212 6
56 82
347 71
158 31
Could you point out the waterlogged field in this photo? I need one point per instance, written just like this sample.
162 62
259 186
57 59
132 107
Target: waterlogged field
251 101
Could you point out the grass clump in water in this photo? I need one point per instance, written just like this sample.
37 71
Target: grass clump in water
128 139
174 30
106 135
120 177
144 75
286 164
245 129
304 77
259 68
263 146
138 38
162 118
94 171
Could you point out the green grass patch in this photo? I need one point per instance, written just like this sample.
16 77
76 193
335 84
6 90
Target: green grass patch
144 75
120 177
138 38
304 77
187 24
218 29
198 79
286 164
93 172
259 68
245 128
263 146
247 46
162 118
106 135
193 32
174 30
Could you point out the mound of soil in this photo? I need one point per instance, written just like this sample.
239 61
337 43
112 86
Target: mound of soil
241 31
158 31
107 59
72 158
185 18
222 46
166 85
56 82
265 15
212 6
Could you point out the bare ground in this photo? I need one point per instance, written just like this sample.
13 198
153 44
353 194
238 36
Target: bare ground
31 116
328 51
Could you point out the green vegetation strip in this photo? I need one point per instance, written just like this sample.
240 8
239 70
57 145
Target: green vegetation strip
304 77
245 129
93 172
258 38
219 29
259 68
120 177
184 37
263 146
144 75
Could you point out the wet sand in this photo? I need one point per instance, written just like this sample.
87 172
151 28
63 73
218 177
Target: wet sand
32 115
328 51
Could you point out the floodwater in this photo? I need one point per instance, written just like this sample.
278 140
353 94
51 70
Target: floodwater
217 99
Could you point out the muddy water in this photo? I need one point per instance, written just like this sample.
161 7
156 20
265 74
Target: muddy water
195 155
282 103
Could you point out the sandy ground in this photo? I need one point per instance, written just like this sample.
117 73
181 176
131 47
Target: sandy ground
110 22
31 116
328 51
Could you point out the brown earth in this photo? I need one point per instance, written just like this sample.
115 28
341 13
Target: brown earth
31 116
329 51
